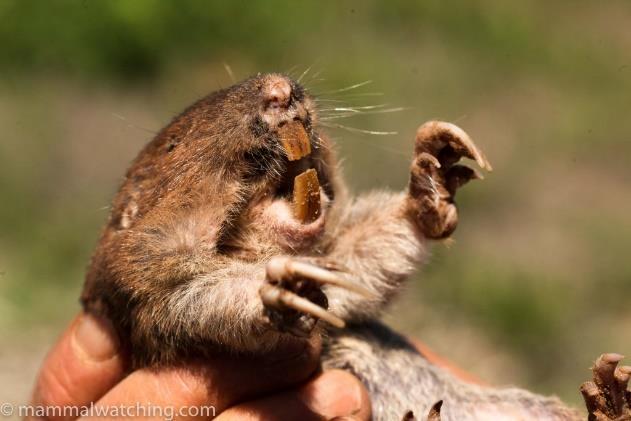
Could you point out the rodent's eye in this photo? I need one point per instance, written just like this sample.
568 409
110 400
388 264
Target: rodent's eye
258 126
297 92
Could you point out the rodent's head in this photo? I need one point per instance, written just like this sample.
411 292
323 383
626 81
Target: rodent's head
262 133
289 162
251 112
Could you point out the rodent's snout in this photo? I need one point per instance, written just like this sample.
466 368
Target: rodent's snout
282 101
277 92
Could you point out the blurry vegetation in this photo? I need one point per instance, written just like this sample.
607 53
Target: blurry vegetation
536 284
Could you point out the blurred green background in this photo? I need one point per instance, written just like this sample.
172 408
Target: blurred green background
537 282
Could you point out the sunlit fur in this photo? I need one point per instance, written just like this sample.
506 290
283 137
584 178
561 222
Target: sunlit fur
182 258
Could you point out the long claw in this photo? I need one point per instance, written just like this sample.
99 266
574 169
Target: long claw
459 141
462 140
274 296
283 268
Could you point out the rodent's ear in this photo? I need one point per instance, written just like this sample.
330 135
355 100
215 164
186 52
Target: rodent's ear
128 214
297 91
125 210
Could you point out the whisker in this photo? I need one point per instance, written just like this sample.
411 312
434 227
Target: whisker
290 72
228 69
459 119
363 94
347 115
348 88
315 75
382 147
134 126
357 130
304 73
312 83
328 100
337 115
354 109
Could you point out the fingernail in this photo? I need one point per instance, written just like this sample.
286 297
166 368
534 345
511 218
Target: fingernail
333 395
94 338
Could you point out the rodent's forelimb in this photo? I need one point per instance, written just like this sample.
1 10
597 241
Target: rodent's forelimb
180 294
221 307
381 237
378 245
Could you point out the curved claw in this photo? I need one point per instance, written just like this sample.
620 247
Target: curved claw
281 268
277 297
456 138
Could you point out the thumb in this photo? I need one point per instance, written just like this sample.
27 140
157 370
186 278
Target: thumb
83 365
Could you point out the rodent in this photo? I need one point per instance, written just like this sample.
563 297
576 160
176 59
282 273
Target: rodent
233 231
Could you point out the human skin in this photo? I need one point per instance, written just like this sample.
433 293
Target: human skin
86 366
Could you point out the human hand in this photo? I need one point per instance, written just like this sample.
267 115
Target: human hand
86 367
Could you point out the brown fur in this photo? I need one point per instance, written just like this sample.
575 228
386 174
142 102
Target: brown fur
201 211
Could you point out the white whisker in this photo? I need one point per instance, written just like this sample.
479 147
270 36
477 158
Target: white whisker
229 71
357 130
348 88
290 72
134 126
336 116
304 73
328 100
353 95
384 148
315 75
354 109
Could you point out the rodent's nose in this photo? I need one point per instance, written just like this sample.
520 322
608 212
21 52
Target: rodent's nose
277 92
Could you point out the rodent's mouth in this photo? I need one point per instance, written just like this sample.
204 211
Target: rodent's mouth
295 206
280 215
300 182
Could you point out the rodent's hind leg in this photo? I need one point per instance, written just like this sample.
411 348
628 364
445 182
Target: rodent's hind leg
293 297
435 177
606 396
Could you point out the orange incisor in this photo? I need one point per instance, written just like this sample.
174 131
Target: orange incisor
307 196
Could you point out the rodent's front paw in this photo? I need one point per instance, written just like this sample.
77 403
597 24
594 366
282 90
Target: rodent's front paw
293 297
435 177
606 396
